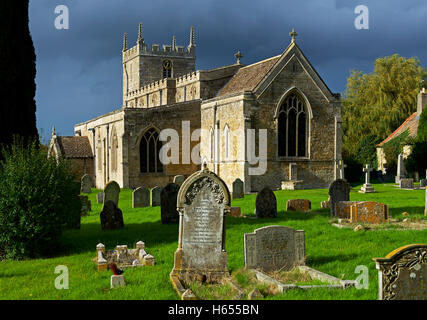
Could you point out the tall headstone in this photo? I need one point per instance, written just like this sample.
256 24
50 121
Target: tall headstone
238 189
168 198
111 216
140 197
400 168
179 180
155 196
100 197
274 248
266 204
367 186
402 274
339 190
86 184
203 202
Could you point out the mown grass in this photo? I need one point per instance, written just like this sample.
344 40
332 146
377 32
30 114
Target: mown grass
329 249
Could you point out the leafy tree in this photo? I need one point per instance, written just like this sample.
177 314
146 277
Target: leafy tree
38 200
18 70
393 148
376 104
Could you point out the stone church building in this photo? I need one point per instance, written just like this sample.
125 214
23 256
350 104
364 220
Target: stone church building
162 90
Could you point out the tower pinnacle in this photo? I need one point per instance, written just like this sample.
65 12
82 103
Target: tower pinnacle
140 38
125 42
192 37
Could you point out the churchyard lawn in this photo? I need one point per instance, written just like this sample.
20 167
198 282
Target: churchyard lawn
329 249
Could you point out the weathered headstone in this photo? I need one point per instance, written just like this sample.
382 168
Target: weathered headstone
235 212
117 281
400 168
168 198
155 196
203 202
298 205
423 183
238 189
111 216
425 208
367 186
274 248
100 197
402 274
339 190
140 197
86 184
405 183
342 209
369 212
266 204
86 206
179 180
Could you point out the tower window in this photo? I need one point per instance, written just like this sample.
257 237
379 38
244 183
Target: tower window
167 69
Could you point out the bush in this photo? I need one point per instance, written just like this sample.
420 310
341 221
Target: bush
392 149
354 170
367 151
38 200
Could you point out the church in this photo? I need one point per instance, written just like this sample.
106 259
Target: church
224 109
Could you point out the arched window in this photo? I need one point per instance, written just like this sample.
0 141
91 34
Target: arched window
167 69
149 149
114 148
292 128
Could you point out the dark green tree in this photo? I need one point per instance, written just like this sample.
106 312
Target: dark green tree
18 71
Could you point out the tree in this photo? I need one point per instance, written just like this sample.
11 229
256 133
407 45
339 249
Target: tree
376 104
18 71
416 161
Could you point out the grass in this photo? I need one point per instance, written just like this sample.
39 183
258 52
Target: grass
329 249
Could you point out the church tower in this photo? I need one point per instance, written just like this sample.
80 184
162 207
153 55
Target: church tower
143 65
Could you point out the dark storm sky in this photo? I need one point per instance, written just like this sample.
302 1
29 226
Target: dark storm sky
79 71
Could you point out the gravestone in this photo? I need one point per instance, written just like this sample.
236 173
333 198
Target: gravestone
266 204
235 212
85 205
298 205
100 197
405 183
155 196
339 190
179 180
168 198
238 189
402 274
343 209
423 183
111 216
400 168
140 197
86 184
274 248
203 202
367 186
325 204
369 212
425 208
341 166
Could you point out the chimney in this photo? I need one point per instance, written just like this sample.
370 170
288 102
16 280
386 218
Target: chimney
422 101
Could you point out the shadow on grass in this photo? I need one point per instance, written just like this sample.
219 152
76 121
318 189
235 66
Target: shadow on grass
90 234
397 211
324 259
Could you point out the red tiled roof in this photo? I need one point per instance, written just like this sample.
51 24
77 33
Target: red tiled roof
410 124
247 78
75 147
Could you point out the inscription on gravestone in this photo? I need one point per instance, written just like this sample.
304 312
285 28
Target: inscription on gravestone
203 201
274 248
402 274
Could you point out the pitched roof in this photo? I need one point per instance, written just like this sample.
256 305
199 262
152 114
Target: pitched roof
75 147
247 78
410 124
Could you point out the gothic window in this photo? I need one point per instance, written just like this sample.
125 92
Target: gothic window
292 128
114 149
212 143
167 69
149 149
227 141
99 152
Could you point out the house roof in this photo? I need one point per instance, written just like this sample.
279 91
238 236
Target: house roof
75 147
410 125
247 78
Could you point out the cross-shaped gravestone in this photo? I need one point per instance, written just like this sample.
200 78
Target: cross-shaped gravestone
367 187
341 166
293 34
238 56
